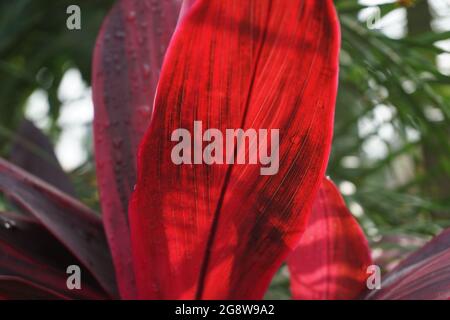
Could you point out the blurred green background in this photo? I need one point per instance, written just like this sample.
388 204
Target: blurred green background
391 149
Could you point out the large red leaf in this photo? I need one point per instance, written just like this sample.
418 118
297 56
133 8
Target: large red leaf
29 252
222 231
424 275
74 225
127 61
332 257
34 152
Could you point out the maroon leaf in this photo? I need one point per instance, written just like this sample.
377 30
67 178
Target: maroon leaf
30 252
77 227
127 61
424 275
222 231
33 152
332 257
16 288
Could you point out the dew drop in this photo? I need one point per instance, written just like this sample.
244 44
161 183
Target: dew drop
144 110
117 142
8 224
131 15
147 70
119 34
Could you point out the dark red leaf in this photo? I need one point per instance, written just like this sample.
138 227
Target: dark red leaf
331 260
222 231
30 252
16 288
33 152
127 61
424 275
75 226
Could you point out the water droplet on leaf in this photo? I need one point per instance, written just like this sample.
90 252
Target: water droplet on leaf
131 15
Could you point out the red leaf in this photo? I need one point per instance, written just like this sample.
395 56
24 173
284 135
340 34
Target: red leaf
222 231
29 252
128 56
185 7
33 152
331 260
75 226
16 288
424 275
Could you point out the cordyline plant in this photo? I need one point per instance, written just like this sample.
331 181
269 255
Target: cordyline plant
203 231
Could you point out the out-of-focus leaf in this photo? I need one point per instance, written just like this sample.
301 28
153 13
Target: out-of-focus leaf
331 260
33 152
30 252
16 288
424 275
78 228
127 60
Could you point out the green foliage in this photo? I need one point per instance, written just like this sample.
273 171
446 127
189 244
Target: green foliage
407 188
36 48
